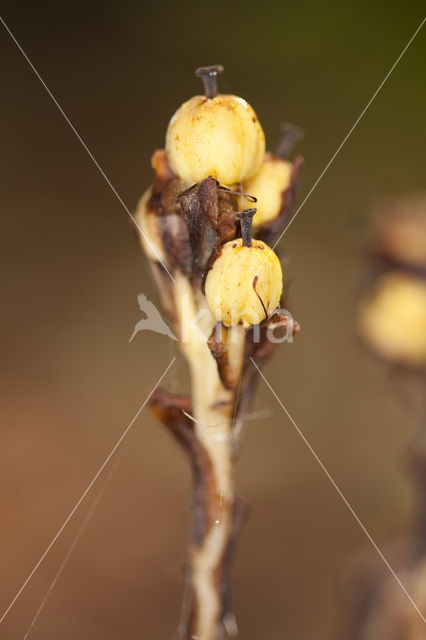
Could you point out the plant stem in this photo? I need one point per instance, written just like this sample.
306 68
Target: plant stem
213 408
188 225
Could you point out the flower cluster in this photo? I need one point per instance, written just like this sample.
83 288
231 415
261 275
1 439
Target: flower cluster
194 221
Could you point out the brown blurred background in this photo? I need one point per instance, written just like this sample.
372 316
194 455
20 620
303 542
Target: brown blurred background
71 382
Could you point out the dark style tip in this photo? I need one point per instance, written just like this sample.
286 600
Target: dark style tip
209 77
246 220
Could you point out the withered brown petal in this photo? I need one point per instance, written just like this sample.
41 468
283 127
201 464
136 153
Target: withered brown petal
201 214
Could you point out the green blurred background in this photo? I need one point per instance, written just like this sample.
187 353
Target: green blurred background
71 382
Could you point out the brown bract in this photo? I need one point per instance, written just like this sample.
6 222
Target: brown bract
169 410
208 212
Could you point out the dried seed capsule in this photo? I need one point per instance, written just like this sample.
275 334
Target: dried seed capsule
268 186
215 135
393 320
245 283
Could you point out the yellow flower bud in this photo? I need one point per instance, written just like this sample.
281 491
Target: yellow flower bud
393 320
245 283
219 137
267 186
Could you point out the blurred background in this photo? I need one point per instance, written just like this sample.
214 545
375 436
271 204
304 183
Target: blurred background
72 268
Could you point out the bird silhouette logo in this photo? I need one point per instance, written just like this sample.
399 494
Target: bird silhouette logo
153 320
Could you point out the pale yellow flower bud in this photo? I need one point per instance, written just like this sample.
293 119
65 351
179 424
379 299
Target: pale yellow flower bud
267 186
219 137
245 283
393 320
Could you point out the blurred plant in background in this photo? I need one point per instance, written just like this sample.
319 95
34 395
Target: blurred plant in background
221 287
392 323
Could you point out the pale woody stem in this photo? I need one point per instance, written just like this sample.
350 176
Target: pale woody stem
213 407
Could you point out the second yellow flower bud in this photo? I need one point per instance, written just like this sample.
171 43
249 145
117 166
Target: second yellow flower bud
245 284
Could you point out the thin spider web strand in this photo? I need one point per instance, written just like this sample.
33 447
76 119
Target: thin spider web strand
345 139
92 157
331 480
76 540
46 551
